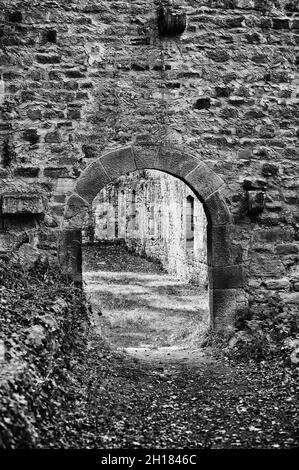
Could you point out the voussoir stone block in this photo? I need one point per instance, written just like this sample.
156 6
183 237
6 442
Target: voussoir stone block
75 205
91 181
146 157
177 162
204 181
217 209
119 162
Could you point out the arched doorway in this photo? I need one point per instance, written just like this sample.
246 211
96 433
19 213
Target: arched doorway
225 265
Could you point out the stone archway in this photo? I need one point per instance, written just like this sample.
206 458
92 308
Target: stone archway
225 266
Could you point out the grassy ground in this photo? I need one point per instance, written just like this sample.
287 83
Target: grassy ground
142 306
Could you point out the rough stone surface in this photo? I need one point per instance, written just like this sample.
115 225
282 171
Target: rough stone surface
82 78
19 203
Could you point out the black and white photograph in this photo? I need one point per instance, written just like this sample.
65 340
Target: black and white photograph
149 242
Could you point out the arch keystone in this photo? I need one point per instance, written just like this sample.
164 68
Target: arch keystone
118 162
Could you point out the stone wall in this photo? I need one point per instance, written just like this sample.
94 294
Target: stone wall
148 210
82 77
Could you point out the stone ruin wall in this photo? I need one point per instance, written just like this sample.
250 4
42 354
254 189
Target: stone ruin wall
80 77
148 211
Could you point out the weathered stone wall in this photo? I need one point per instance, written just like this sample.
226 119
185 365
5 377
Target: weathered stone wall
81 77
148 210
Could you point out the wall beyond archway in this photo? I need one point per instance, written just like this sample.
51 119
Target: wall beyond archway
225 267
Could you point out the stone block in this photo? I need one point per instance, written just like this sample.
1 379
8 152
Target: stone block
224 309
15 16
28 256
217 209
234 22
273 234
20 203
90 151
228 277
223 91
56 172
263 266
48 58
176 161
290 298
277 284
281 23
204 181
146 156
245 154
11 241
50 35
287 249
53 137
31 136
221 242
203 102
70 254
75 205
26 172
218 55
74 113
119 162
269 169
91 181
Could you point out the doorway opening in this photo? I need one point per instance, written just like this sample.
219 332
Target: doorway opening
145 263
